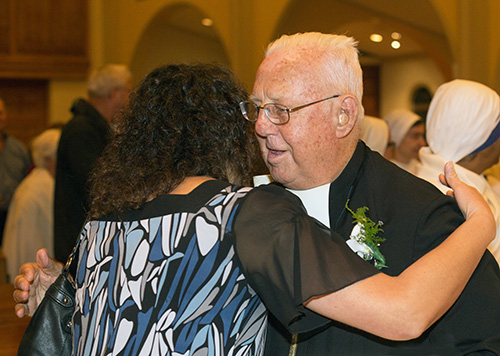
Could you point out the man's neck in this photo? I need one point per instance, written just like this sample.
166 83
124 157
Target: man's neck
102 107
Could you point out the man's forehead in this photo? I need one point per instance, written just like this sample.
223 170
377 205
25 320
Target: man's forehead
285 81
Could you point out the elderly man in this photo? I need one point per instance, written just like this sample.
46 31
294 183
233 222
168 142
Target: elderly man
306 102
82 141
463 126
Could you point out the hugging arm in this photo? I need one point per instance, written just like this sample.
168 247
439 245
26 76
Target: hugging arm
297 266
403 307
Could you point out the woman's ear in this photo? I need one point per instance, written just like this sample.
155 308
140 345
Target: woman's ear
347 115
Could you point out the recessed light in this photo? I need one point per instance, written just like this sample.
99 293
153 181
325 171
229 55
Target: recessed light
395 44
375 37
207 22
396 36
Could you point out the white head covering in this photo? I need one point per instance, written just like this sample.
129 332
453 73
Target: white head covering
375 133
461 117
400 122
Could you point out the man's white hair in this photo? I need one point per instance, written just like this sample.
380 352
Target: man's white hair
104 79
45 146
337 58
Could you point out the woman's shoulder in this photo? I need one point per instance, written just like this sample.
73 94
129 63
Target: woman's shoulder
272 202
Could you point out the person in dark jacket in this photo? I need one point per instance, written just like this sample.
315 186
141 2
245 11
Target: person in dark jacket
82 140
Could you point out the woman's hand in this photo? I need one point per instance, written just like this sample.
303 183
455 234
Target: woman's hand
469 200
33 281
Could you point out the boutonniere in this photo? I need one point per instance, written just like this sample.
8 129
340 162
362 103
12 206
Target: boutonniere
364 239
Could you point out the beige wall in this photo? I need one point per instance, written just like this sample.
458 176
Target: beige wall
62 93
121 33
400 78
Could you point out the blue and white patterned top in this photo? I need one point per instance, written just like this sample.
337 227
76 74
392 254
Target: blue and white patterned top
166 284
188 274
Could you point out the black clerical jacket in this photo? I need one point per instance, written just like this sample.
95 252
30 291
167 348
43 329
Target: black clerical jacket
416 217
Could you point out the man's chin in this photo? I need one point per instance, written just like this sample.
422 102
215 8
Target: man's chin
277 175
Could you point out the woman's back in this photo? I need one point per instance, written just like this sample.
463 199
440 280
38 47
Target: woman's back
165 281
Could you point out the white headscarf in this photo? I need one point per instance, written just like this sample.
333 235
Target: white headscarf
461 117
400 122
375 133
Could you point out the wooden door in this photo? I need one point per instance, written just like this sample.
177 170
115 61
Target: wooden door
26 103
371 92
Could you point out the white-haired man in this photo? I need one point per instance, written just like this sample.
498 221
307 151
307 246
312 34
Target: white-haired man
82 141
306 104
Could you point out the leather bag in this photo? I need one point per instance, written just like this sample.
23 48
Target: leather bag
49 330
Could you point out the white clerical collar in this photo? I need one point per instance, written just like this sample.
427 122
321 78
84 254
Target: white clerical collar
316 202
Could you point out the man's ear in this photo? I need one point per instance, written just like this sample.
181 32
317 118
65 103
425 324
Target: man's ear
347 115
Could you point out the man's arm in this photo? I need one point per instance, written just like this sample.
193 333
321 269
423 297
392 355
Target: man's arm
33 281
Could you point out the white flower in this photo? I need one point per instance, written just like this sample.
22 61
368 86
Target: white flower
356 244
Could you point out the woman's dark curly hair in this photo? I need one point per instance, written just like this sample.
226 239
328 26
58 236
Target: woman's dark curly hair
183 120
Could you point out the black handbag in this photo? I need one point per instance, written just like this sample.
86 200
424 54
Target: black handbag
49 330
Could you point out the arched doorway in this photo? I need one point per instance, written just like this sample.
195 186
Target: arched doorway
178 33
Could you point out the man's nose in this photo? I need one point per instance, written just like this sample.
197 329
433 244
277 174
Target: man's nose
263 126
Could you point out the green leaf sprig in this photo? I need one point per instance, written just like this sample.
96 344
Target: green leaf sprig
369 232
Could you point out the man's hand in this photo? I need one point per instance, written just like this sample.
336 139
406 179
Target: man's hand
33 281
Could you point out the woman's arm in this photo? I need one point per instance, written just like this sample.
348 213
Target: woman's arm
403 307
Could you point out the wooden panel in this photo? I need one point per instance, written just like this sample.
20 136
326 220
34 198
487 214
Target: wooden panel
371 94
4 25
51 27
43 67
26 105
44 39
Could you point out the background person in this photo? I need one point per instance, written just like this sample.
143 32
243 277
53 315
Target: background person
29 225
14 164
463 126
375 133
82 140
408 134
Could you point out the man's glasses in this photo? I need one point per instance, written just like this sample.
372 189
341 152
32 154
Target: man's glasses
276 113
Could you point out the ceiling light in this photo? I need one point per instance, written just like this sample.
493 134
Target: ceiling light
395 44
207 22
375 37
396 36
